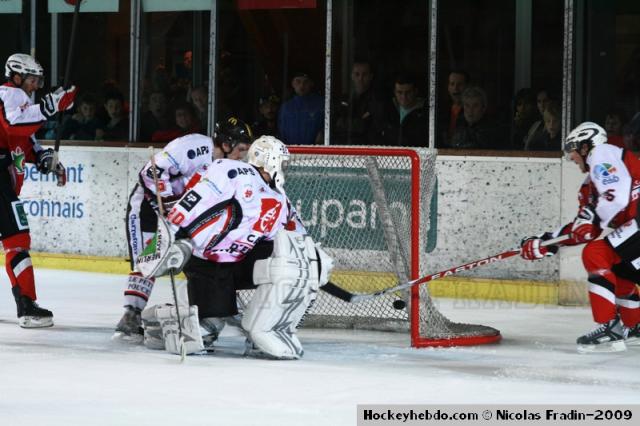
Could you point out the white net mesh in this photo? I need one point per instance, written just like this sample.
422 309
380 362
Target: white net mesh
359 204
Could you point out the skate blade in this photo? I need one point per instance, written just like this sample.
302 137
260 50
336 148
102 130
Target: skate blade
127 338
617 346
35 322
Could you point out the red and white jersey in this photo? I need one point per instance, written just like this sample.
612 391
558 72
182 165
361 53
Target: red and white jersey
230 210
20 118
615 183
179 166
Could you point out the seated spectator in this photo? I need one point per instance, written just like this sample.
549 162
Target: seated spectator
186 123
116 128
199 100
358 111
476 130
267 123
631 133
451 115
301 118
406 118
156 118
614 123
83 125
537 129
525 116
550 139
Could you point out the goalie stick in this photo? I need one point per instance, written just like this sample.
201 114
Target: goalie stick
183 348
349 297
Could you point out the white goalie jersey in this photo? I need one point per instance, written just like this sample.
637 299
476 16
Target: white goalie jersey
178 166
230 210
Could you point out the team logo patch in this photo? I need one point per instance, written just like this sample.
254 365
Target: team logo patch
191 154
606 173
20 215
18 159
232 173
189 200
269 213
247 193
159 171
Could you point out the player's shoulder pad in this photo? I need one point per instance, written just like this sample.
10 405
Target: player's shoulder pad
234 170
13 97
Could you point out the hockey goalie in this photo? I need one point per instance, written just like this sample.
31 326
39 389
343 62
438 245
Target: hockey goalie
234 230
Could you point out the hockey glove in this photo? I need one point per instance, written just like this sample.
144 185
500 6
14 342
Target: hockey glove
44 161
585 225
60 100
531 248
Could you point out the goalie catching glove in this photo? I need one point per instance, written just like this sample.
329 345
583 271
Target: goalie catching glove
163 255
60 100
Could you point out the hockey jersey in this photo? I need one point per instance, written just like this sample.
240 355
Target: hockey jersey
20 118
614 175
179 166
230 210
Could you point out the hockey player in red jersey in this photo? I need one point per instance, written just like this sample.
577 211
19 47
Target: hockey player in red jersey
20 118
608 199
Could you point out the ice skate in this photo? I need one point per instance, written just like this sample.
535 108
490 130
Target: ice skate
607 337
129 329
632 335
30 315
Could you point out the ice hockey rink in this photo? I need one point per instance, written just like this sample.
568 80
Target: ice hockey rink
74 374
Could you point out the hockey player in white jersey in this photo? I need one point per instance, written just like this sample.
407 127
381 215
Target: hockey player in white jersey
20 118
179 166
243 233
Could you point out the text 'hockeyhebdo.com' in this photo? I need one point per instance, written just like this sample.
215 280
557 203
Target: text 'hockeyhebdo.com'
584 415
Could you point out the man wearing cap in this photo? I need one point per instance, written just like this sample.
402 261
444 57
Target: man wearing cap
301 119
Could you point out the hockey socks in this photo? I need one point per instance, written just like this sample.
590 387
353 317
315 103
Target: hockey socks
18 264
138 290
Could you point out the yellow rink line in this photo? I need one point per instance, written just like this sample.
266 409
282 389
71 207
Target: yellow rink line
454 287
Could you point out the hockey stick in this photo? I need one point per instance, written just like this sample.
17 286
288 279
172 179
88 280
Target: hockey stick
183 348
349 297
65 85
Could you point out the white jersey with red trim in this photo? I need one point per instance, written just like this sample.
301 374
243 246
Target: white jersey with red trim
615 181
230 210
179 165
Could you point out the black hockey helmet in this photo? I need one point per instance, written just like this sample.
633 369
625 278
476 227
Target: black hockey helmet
233 131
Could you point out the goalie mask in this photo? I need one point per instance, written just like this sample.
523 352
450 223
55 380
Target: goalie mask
272 155
24 65
586 134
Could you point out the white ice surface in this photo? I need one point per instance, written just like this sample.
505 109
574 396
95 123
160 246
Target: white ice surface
73 374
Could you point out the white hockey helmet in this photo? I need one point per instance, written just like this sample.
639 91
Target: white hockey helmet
587 133
272 155
23 64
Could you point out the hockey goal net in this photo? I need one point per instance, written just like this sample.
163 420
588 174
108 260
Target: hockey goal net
369 207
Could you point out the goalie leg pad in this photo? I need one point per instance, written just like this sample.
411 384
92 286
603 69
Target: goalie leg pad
166 318
287 283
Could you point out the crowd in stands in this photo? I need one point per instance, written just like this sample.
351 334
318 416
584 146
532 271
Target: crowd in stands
465 120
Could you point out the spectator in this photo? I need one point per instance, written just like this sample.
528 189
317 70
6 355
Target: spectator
451 116
83 125
406 119
186 123
156 118
525 116
537 129
184 70
116 128
550 139
267 123
358 111
301 118
476 130
614 123
199 100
